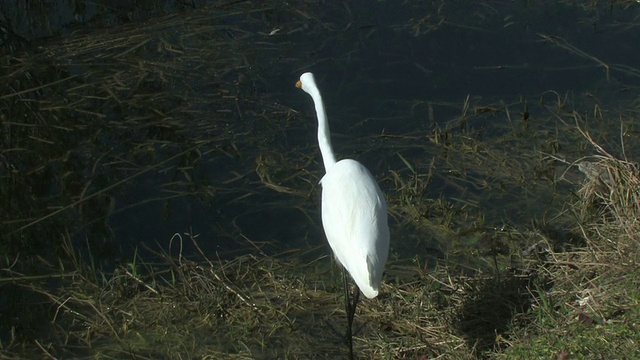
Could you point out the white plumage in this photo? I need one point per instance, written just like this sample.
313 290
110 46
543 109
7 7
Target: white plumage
354 211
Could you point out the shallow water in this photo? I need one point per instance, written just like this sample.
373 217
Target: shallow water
127 135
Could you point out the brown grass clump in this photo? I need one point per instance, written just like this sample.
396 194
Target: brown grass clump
610 196
590 309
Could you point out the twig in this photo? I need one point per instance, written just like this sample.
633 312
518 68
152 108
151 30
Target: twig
44 350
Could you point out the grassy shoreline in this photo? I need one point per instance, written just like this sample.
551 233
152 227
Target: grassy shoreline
579 300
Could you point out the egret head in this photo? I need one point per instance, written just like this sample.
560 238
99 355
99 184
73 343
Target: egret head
308 83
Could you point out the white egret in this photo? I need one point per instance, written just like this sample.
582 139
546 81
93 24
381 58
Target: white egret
354 213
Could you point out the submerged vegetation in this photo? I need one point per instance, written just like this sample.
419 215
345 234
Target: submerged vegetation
515 231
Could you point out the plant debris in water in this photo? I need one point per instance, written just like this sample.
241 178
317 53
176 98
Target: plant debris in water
515 221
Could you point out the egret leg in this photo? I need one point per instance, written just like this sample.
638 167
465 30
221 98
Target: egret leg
350 310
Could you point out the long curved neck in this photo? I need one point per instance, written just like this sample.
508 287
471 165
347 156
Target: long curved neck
324 135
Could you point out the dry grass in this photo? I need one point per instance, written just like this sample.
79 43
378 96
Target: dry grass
590 311
261 307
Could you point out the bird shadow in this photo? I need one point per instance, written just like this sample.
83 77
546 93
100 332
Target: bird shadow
491 308
493 305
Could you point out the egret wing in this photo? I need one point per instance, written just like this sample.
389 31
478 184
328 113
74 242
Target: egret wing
354 217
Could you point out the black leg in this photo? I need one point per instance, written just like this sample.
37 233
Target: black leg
350 310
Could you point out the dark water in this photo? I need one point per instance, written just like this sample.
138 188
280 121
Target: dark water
206 98
120 126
